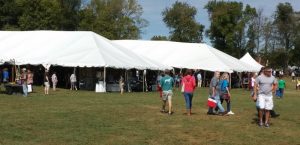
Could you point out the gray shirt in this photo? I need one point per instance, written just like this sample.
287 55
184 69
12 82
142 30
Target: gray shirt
265 84
214 83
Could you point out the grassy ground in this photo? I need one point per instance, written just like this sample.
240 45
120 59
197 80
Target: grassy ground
83 117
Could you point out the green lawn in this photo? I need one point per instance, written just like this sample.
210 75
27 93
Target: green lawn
84 117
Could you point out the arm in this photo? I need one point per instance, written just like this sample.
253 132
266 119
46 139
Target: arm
255 89
194 82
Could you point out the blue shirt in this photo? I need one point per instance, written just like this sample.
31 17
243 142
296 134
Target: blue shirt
224 84
5 75
167 83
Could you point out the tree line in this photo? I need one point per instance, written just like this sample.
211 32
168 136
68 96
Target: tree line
234 28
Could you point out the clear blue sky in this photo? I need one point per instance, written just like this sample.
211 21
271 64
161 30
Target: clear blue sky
153 9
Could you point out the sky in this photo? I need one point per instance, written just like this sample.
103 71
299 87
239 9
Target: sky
153 9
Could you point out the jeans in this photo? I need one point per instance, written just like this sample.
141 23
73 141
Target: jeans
280 92
188 99
228 103
219 105
25 91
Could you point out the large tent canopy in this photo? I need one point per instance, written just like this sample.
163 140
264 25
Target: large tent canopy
69 48
186 55
250 61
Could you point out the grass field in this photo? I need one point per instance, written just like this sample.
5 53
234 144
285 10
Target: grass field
84 117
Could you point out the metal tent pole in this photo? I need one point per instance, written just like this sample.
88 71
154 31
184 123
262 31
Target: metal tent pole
104 79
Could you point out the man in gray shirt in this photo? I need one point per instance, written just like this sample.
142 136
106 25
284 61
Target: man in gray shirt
265 85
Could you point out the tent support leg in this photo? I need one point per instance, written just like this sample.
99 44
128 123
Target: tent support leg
204 79
104 79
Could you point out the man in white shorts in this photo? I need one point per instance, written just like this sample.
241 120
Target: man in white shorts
167 84
265 85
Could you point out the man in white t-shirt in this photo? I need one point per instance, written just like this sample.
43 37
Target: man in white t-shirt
267 85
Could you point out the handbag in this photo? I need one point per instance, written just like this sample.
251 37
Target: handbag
29 88
182 88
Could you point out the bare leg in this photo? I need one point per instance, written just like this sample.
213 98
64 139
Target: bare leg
163 105
170 106
267 113
260 114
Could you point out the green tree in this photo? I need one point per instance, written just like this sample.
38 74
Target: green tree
10 12
39 15
180 18
114 19
285 23
159 38
69 16
227 26
250 17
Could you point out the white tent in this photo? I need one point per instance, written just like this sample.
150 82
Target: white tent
186 55
69 48
249 60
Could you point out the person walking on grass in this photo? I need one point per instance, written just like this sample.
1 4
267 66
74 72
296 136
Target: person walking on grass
46 82
121 85
189 84
293 76
214 93
54 81
281 87
267 84
167 84
73 81
199 78
225 93
23 79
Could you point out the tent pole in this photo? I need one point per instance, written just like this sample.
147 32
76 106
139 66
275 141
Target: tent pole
104 79
143 82
204 79
146 85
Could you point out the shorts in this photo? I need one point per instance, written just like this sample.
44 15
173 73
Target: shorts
265 101
167 95
46 84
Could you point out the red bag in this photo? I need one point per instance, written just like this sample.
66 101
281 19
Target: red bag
211 103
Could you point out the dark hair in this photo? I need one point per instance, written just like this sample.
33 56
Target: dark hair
267 68
167 72
261 70
188 72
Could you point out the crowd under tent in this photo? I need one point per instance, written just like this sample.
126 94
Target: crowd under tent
186 55
248 59
70 49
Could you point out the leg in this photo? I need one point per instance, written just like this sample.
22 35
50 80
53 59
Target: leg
191 100
228 102
25 91
260 114
170 106
220 106
187 100
210 111
267 116
163 108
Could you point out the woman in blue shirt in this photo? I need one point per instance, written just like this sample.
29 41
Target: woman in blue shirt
225 93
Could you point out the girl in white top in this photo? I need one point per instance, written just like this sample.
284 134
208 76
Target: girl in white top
54 80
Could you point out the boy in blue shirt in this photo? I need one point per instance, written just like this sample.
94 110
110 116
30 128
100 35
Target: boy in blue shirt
167 84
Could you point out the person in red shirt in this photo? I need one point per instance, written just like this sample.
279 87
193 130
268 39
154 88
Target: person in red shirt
188 84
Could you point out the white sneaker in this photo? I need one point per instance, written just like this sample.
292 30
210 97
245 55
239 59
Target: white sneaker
230 113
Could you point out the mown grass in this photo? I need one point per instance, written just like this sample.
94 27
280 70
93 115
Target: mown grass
84 117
